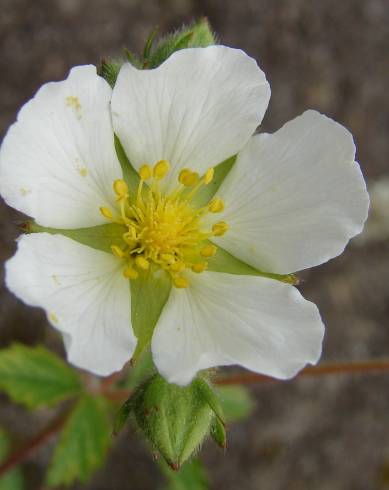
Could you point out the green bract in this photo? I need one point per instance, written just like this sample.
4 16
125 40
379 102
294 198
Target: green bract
174 419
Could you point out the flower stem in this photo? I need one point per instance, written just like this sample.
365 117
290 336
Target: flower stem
41 438
325 368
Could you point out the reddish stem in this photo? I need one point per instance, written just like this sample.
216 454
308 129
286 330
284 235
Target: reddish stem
121 395
327 368
41 438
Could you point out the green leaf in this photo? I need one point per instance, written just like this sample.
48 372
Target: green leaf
13 480
34 376
223 261
196 35
236 401
83 443
149 293
192 476
173 418
100 237
149 43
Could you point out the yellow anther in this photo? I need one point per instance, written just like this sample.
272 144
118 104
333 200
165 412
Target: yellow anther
161 168
183 175
199 267
142 263
208 177
216 205
117 251
106 212
145 172
180 282
120 188
177 266
208 251
169 258
130 273
188 178
220 228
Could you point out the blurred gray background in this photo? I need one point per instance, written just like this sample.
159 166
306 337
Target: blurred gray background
327 433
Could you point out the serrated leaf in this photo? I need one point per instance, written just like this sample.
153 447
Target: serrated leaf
236 401
149 294
13 480
83 443
192 476
195 35
100 237
35 377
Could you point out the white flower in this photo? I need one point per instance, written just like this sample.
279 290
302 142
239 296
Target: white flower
292 200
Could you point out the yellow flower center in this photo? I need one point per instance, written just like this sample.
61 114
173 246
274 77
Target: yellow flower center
164 229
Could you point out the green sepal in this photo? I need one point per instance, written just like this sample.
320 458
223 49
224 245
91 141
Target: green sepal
210 396
109 70
130 175
149 293
218 433
223 261
100 237
13 479
35 377
174 419
196 35
206 192
83 443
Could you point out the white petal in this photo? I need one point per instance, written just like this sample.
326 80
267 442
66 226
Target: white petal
58 161
85 296
294 198
223 319
195 110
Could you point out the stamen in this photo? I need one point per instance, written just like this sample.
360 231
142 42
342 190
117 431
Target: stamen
165 230
177 266
220 228
117 251
199 267
180 282
216 205
130 273
161 168
106 212
121 189
208 251
142 263
145 172
208 177
188 178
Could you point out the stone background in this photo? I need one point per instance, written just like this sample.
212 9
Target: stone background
324 433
